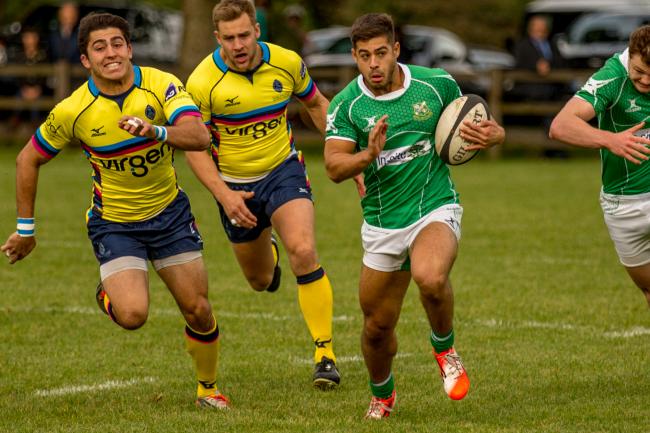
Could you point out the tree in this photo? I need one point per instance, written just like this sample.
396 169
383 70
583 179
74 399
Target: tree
198 39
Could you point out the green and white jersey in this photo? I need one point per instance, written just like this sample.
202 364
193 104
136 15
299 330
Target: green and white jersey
407 180
618 106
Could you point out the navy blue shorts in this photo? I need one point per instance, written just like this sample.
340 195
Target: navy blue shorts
288 181
171 232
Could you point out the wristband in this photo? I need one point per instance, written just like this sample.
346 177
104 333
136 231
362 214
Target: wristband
25 227
161 133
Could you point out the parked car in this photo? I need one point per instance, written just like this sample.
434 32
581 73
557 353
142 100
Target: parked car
426 46
156 33
593 38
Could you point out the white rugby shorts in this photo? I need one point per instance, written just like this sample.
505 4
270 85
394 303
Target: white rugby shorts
628 221
387 249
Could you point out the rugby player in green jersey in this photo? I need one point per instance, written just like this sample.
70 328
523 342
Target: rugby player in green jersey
618 95
383 124
128 121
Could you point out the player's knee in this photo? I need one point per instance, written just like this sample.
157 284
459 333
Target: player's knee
198 314
376 330
130 319
302 258
260 281
433 286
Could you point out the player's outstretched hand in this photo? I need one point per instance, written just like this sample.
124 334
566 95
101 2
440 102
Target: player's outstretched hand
484 134
18 247
136 126
234 204
627 144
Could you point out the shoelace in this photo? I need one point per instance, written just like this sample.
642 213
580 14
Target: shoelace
455 366
377 408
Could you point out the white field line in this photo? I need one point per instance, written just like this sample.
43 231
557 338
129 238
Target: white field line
635 331
346 359
78 389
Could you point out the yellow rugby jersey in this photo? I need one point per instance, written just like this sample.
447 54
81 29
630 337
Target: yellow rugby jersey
247 112
133 177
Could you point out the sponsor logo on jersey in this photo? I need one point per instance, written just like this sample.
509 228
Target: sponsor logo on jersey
633 107
150 112
592 85
97 132
303 70
372 121
138 165
170 92
331 118
421 111
402 155
50 126
232 101
257 130
277 86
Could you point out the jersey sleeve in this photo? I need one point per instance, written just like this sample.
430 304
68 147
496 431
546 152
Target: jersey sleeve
56 132
304 87
176 101
339 125
601 88
200 94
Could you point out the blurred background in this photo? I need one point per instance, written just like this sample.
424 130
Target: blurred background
482 43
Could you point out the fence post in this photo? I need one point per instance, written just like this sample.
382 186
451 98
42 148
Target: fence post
62 79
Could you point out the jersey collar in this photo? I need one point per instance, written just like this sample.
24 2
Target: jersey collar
137 81
388 96
624 58
223 67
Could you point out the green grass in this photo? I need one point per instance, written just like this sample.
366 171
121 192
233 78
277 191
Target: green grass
541 308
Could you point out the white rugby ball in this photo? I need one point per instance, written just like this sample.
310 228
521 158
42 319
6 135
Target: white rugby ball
449 145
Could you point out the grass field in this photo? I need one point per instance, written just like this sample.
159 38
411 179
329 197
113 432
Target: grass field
554 336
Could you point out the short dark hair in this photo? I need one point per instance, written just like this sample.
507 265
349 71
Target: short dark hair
640 43
230 10
372 25
98 21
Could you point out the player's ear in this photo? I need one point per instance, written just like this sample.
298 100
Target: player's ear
84 61
258 32
396 48
216 36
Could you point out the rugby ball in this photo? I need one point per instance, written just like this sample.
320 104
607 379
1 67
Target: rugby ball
449 145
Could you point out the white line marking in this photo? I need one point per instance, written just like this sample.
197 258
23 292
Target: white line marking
346 359
111 384
635 331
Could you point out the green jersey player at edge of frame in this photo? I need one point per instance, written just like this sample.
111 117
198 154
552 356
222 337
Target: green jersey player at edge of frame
618 95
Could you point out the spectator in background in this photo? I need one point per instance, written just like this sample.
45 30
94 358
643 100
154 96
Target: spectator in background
30 88
538 54
63 39
293 35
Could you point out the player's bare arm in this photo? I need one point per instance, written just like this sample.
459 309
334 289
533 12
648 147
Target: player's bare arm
188 133
316 106
233 202
341 160
28 163
571 126
483 135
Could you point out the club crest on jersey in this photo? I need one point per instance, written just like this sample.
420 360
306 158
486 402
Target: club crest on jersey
421 111
170 92
150 112
372 121
277 86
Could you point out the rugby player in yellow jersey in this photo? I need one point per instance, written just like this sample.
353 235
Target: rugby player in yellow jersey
129 120
255 173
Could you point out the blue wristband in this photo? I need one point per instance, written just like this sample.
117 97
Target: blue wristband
161 133
25 227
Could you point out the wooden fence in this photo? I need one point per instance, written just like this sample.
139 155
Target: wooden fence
332 79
